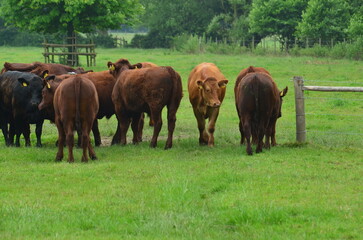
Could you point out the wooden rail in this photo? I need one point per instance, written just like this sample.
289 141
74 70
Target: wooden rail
300 104
51 50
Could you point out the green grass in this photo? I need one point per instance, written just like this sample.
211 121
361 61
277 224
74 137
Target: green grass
293 191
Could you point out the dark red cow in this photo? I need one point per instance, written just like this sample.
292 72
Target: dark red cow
104 83
20 94
258 103
206 87
145 90
242 74
38 68
76 105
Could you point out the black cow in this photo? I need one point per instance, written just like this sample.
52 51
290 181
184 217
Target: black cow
20 95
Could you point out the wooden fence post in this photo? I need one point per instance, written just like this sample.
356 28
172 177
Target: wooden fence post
300 110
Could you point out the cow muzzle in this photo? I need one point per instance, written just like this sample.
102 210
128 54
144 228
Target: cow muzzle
215 104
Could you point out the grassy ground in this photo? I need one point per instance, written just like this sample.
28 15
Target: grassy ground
310 191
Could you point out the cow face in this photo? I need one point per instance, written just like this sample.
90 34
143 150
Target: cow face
117 68
282 94
27 96
211 90
47 93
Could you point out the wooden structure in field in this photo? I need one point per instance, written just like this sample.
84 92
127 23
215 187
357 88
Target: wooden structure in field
70 52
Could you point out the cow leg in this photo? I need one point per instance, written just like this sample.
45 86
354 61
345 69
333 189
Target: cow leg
156 117
38 132
86 142
141 127
273 132
61 139
241 131
263 128
26 133
11 134
211 126
135 124
116 137
203 135
4 128
247 132
171 126
124 126
96 133
68 127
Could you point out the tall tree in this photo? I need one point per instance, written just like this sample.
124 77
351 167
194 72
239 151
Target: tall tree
327 19
68 16
276 17
167 19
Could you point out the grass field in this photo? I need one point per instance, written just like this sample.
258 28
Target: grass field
293 191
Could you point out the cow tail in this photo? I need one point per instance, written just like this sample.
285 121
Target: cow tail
77 92
255 91
177 92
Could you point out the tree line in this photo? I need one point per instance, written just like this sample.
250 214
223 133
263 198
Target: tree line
232 20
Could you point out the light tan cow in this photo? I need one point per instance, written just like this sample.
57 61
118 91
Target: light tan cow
206 87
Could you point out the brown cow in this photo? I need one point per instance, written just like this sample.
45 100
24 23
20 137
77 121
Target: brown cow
38 68
242 74
206 87
104 83
145 90
76 105
258 103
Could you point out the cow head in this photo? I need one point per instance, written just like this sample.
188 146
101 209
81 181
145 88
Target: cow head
282 94
27 96
210 90
46 105
117 68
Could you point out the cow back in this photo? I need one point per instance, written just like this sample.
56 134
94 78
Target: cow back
257 94
138 89
76 98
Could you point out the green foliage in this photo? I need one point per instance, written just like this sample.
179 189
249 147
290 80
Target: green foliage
275 17
51 16
325 19
355 28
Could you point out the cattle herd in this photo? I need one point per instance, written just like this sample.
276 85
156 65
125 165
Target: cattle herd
74 99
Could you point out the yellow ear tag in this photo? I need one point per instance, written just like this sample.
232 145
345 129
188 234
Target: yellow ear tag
112 68
24 84
200 87
48 85
223 86
281 94
45 75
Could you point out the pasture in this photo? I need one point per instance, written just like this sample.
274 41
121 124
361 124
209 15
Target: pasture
293 191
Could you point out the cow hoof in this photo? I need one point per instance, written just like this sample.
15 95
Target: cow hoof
39 145
93 157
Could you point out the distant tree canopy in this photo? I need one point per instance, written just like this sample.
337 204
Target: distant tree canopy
51 16
325 19
234 20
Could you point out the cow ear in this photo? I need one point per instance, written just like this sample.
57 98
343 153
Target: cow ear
111 66
222 83
23 82
137 65
283 92
200 84
45 74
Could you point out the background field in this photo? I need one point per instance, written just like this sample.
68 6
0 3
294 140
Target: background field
310 191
